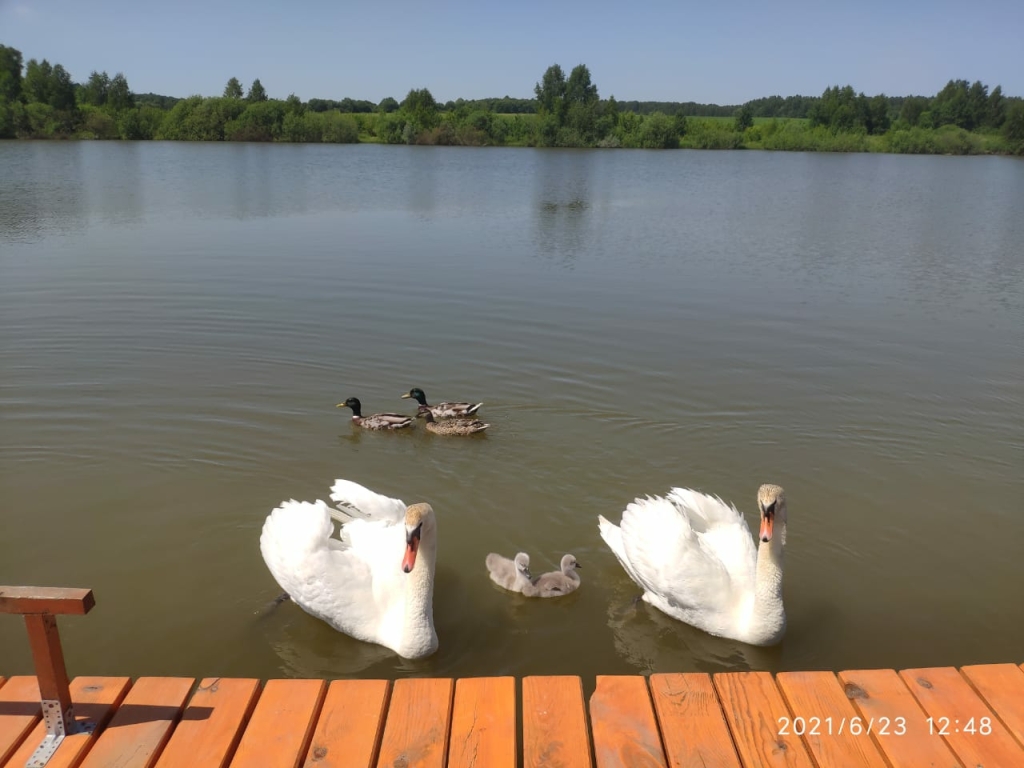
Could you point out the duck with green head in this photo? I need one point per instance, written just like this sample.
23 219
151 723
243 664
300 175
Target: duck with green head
376 421
443 410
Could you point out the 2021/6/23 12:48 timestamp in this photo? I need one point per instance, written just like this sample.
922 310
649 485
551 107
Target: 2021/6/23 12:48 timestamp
944 726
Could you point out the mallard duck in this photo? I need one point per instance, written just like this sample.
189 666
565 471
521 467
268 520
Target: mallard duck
442 410
377 420
693 557
452 426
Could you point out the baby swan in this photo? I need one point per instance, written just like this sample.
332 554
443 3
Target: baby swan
556 583
444 410
377 420
452 426
513 575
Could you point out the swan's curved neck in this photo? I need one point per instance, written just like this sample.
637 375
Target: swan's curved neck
419 591
768 586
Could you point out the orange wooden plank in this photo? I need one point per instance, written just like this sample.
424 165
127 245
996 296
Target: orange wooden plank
94 699
899 725
351 722
828 721
758 718
1002 688
55 600
956 710
416 731
281 726
555 723
693 728
623 725
19 712
212 724
141 725
483 723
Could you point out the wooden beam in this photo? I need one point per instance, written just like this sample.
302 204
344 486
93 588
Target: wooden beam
53 600
49 659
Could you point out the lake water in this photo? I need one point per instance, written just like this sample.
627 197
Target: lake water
178 321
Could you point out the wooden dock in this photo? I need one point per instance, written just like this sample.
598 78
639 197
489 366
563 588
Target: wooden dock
943 716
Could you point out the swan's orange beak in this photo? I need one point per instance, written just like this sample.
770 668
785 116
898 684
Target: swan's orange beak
767 522
412 545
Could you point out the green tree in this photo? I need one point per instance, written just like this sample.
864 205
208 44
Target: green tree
10 74
256 92
233 90
37 83
1013 127
744 118
387 105
119 95
293 105
420 113
910 111
550 92
996 111
62 95
94 92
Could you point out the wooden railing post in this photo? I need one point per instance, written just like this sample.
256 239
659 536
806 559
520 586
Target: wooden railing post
40 606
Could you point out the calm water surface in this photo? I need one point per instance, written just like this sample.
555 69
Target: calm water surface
177 323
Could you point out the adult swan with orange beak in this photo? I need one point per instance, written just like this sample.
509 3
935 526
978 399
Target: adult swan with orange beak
375 582
694 557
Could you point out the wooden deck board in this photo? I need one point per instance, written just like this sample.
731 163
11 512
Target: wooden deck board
623 724
95 699
282 724
903 737
351 722
1002 688
555 723
819 701
418 720
212 724
19 712
692 725
954 706
756 715
483 733
142 724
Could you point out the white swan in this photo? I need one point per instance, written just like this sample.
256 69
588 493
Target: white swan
375 584
693 556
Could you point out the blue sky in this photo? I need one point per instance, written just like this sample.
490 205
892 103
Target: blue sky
711 52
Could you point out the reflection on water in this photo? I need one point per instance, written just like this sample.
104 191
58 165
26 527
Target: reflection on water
562 205
178 322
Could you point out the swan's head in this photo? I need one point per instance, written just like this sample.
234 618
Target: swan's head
569 564
416 394
771 501
353 403
417 518
523 564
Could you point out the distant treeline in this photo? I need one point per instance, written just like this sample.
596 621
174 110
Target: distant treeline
40 100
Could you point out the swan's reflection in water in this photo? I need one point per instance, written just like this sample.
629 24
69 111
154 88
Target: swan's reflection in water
653 642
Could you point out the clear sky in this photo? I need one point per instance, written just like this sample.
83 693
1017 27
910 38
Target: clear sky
658 50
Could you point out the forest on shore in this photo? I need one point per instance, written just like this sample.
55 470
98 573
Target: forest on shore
42 101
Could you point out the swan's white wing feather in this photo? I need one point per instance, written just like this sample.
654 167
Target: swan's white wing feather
612 535
723 532
355 502
346 586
